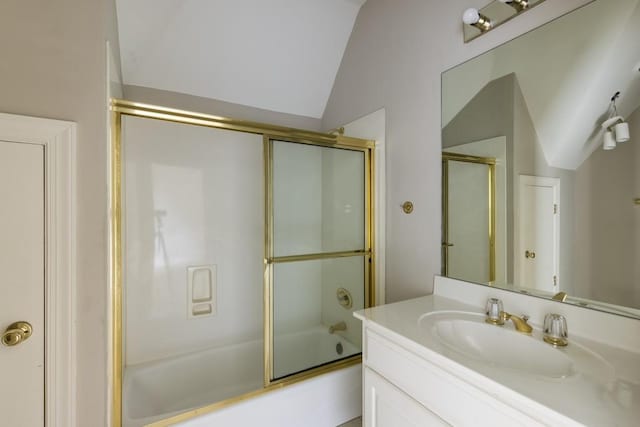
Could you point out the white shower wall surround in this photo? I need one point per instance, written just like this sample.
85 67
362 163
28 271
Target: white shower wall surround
194 197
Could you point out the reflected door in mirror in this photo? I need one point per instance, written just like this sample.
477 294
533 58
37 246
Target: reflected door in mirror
539 236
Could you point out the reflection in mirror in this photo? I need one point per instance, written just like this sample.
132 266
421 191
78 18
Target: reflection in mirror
557 213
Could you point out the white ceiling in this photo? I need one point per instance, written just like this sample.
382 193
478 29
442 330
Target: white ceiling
279 55
568 71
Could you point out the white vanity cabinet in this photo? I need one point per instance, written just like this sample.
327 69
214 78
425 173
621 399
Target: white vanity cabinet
434 361
402 388
388 406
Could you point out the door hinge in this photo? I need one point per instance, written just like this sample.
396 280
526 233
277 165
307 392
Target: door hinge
555 280
555 208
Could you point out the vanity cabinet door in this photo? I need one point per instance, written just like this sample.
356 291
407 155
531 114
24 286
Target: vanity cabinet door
387 406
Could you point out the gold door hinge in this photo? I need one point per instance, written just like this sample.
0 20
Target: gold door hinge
555 208
555 280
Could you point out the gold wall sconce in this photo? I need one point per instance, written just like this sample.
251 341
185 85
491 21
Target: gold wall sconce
478 22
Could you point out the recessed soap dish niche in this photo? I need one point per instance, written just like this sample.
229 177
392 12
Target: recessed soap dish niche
201 291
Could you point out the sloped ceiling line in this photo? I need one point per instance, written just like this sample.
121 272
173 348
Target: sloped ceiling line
277 55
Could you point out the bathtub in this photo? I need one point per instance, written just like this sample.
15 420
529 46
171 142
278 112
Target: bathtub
156 390
298 351
160 389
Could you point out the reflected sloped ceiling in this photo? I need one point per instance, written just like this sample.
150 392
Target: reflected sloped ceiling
279 55
568 71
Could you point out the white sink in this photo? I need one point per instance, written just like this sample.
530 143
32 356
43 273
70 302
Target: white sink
471 338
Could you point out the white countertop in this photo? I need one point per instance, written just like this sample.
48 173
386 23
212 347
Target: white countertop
608 397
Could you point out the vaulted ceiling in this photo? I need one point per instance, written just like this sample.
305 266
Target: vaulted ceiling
279 55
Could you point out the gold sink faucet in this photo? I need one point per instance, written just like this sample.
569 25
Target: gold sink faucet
519 322
560 296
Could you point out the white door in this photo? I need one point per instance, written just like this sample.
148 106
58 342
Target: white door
22 283
538 251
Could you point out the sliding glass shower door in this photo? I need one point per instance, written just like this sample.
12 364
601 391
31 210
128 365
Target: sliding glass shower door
319 256
240 251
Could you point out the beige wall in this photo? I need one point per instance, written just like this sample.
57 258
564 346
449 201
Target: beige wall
218 108
54 65
607 236
634 124
394 59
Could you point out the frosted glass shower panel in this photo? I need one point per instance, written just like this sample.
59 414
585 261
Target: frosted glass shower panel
468 221
193 277
313 324
318 199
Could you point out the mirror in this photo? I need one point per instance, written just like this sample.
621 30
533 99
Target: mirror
531 200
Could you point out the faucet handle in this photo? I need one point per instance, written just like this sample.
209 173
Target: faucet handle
494 310
555 330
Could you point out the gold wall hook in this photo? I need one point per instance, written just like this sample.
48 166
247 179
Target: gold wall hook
407 207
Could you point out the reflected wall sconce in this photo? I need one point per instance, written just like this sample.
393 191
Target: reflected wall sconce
518 5
478 22
615 128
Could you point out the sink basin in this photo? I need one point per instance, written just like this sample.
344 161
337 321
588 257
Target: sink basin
468 335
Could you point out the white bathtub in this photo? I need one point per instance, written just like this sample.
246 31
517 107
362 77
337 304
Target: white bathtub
156 390
298 351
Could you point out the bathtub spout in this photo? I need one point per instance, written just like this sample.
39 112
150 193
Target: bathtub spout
340 326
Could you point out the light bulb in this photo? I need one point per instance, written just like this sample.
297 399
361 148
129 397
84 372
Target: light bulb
622 132
608 143
470 16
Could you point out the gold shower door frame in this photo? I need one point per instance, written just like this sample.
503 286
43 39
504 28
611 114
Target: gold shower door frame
491 204
270 132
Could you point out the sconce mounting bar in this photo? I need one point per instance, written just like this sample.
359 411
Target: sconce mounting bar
498 12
